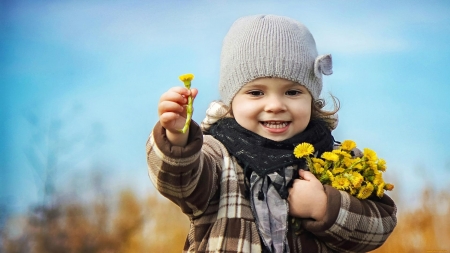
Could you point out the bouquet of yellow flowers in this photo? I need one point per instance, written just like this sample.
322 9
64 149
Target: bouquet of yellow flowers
359 176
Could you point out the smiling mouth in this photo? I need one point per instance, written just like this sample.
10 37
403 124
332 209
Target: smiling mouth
275 124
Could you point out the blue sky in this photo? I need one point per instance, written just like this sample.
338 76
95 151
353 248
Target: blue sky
80 82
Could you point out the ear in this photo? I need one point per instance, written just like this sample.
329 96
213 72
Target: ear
323 65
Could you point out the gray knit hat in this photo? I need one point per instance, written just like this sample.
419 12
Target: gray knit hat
270 46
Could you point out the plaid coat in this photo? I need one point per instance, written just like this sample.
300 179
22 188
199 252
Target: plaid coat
208 185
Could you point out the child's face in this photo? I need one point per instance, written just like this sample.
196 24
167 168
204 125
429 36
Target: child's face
274 108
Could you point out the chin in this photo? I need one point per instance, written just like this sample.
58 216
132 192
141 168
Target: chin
275 138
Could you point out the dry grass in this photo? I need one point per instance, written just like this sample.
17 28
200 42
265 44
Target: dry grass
154 224
422 230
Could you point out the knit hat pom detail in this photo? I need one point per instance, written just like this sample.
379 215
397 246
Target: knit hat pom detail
323 65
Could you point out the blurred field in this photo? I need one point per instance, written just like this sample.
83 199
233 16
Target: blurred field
426 229
153 224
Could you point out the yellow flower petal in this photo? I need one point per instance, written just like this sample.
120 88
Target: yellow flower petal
380 190
337 170
372 165
304 149
348 145
378 179
342 153
330 175
356 179
356 164
186 77
326 178
318 168
341 183
330 156
318 161
382 165
370 154
365 191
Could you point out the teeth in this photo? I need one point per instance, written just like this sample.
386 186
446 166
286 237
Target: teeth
275 124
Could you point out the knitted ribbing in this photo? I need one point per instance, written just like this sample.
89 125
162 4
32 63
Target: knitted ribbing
270 46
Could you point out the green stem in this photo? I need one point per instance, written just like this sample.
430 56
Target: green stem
310 165
352 166
187 84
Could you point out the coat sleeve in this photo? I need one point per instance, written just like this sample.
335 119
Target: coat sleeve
354 225
185 175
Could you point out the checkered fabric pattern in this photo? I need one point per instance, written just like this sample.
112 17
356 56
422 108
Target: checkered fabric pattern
208 185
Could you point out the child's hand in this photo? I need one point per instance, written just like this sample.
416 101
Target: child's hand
307 198
172 111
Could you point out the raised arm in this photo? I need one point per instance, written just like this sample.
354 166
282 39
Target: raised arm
186 175
172 111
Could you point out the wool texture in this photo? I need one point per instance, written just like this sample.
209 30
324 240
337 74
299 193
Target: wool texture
263 155
270 46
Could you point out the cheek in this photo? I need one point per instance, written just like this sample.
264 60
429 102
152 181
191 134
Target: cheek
241 112
240 107
304 107
245 113
304 112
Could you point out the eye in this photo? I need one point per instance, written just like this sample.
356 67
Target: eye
293 92
255 93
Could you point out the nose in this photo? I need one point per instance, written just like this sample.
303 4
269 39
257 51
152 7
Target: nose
275 104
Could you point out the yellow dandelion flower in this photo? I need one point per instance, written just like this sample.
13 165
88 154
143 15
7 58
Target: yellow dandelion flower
380 190
382 165
341 153
318 161
326 177
318 168
365 191
348 161
337 170
356 164
186 77
370 154
372 165
341 183
378 179
388 187
330 175
356 179
348 145
303 149
330 156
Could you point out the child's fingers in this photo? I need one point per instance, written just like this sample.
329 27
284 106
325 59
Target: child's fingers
194 92
167 117
169 106
306 175
171 121
181 90
172 107
176 94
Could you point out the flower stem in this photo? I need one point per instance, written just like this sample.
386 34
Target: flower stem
188 115
186 79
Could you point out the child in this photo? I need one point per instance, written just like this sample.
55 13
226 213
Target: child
236 176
